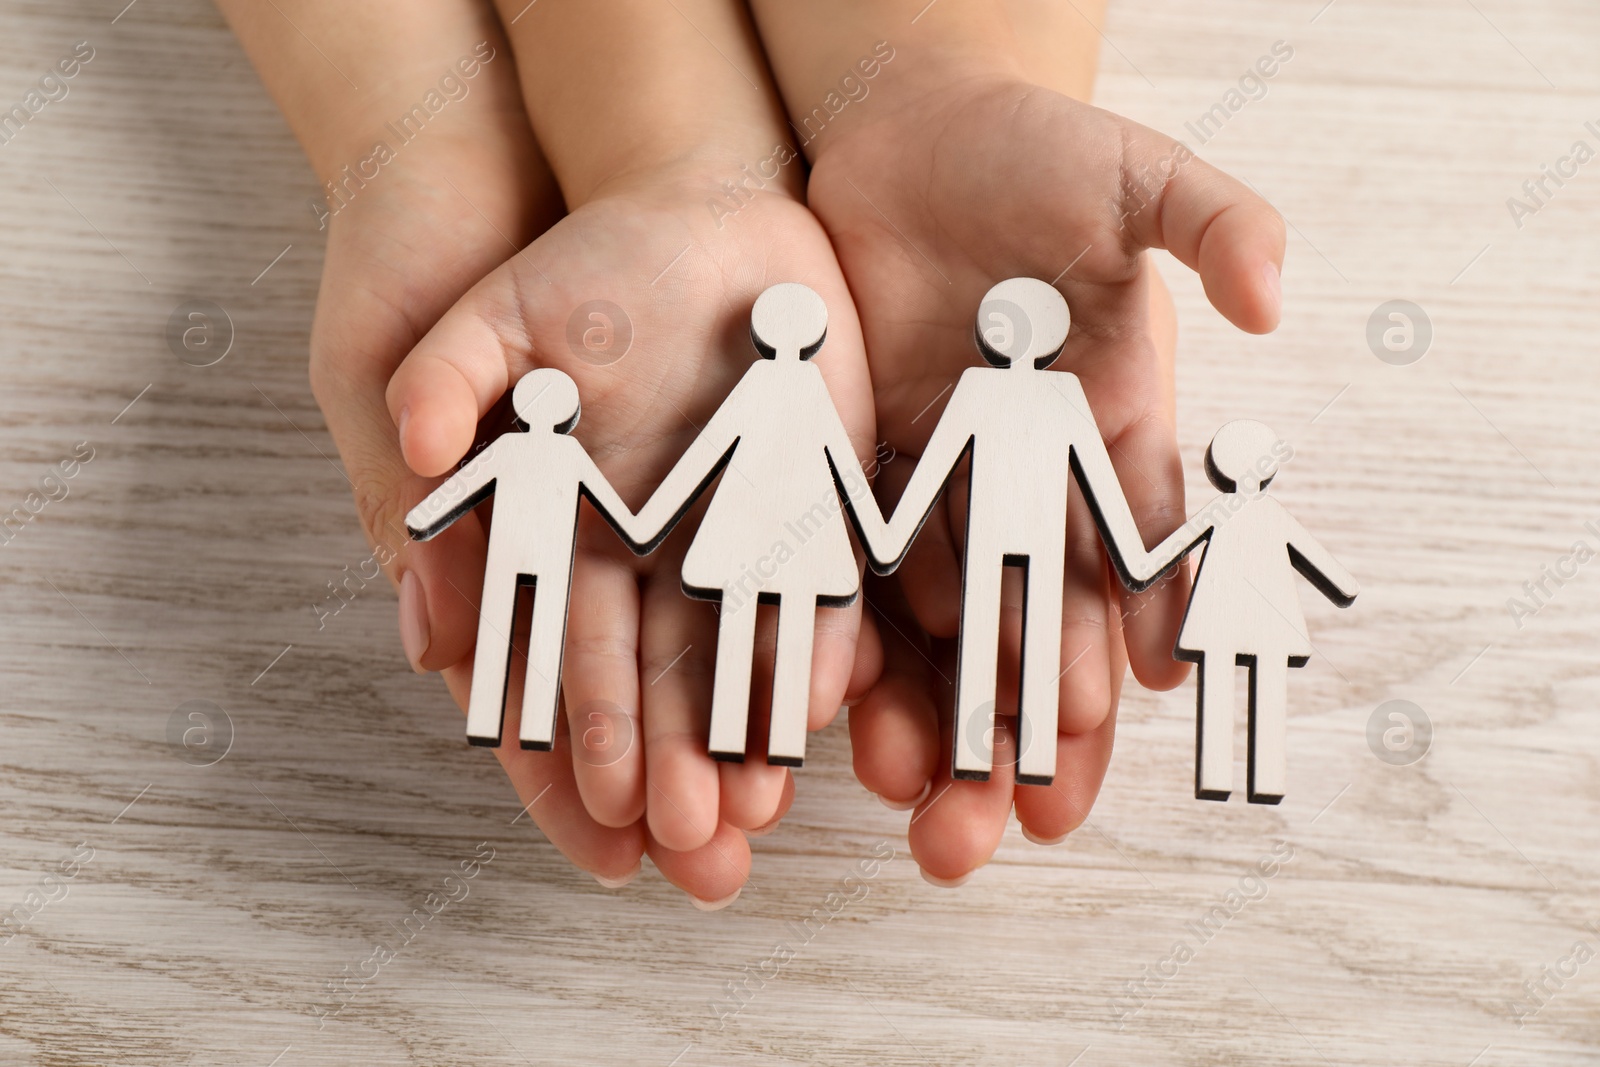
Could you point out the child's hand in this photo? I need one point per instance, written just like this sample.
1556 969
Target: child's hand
403 246
673 338
643 295
398 256
978 177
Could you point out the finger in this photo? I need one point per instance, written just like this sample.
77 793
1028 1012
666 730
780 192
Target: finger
549 794
894 731
677 644
833 662
1048 813
440 581
930 576
1145 454
1085 691
785 801
1211 222
752 790
868 666
712 874
1008 676
1123 356
600 684
459 370
1151 618
958 827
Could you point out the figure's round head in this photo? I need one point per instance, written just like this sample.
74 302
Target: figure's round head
1243 457
1023 322
546 399
789 321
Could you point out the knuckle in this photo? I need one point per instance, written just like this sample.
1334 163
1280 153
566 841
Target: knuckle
381 510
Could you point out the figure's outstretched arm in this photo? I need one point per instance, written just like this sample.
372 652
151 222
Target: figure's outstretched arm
951 437
460 493
1180 543
594 485
855 492
697 468
1317 565
1091 463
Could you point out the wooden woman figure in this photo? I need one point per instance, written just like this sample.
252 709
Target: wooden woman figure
1244 609
775 531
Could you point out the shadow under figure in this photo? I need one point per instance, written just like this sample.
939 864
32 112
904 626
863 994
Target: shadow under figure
774 532
1244 609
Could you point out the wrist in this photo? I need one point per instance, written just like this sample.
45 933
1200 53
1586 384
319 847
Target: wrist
914 87
726 176
682 93
830 56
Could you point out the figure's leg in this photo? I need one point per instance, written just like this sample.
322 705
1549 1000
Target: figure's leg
730 693
486 705
976 663
547 640
1040 690
791 680
1269 728
1213 772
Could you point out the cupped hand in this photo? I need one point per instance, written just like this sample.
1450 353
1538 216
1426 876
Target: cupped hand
643 296
948 189
399 254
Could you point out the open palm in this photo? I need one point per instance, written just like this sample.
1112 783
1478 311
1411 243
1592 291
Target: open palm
644 299
928 205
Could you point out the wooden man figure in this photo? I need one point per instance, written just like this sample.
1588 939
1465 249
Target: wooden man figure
1244 610
1026 429
536 478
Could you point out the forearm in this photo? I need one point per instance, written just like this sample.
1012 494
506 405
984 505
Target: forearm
347 75
619 90
829 55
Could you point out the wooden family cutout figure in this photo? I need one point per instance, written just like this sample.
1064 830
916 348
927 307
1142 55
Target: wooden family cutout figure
1244 609
536 478
774 532
1027 430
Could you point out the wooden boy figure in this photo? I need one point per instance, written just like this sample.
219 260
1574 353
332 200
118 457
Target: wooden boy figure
536 478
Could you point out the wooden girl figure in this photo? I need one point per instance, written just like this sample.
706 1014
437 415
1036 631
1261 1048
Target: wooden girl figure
775 530
1244 609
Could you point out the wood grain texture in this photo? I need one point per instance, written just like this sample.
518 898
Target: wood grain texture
1407 904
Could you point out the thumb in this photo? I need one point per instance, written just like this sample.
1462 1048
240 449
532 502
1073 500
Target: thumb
1212 223
440 581
460 369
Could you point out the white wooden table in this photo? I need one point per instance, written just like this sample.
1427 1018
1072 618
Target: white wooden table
211 905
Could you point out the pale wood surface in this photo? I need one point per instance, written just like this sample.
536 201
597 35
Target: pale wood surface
1412 910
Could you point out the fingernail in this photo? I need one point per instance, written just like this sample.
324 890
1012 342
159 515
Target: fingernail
413 620
763 831
715 905
1036 839
1274 279
618 883
400 427
944 883
907 805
